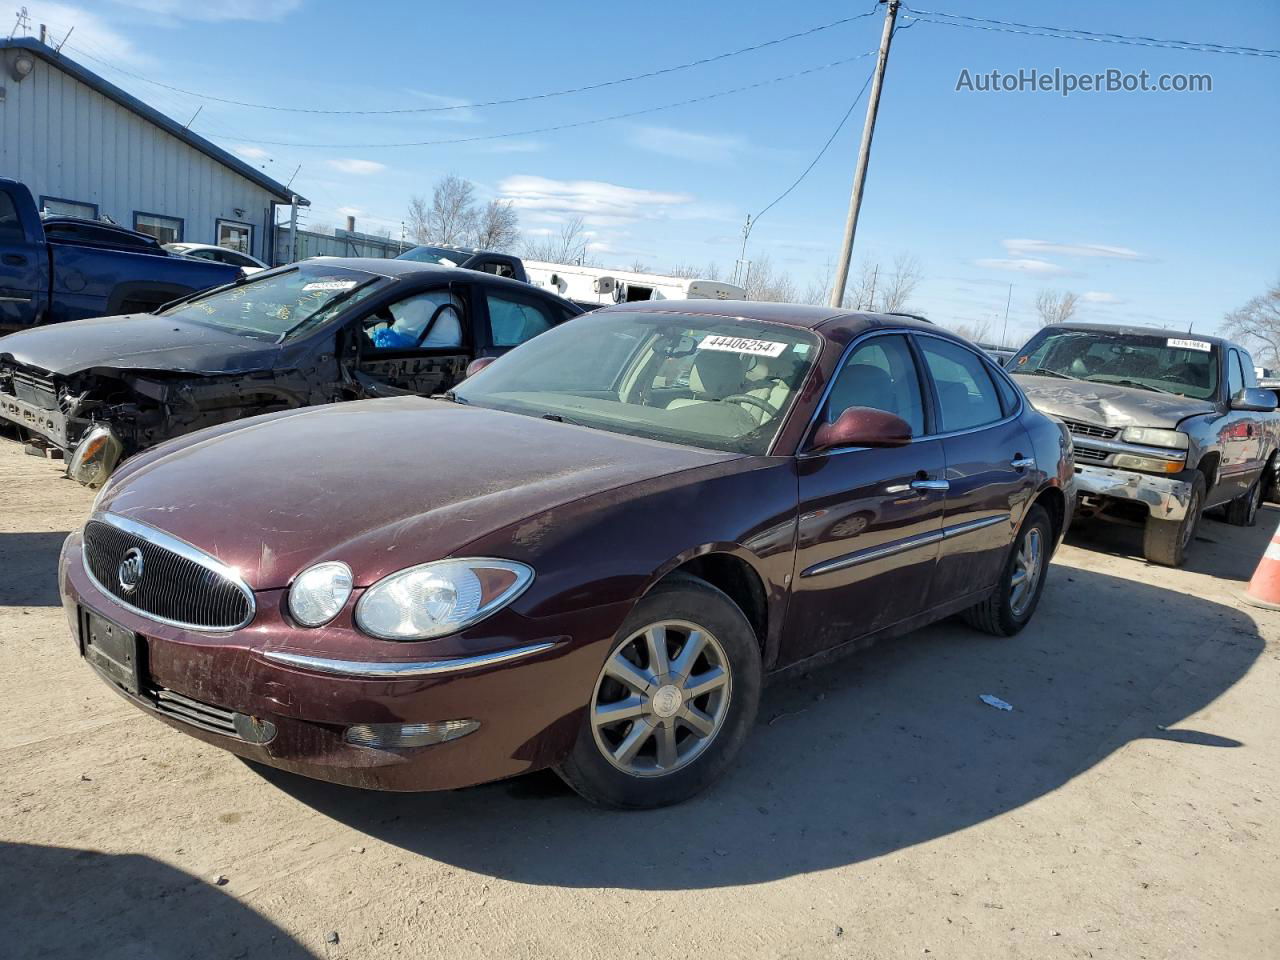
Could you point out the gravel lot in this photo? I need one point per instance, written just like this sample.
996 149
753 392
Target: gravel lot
1126 808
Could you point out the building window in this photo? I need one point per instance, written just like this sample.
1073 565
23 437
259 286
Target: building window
235 236
164 229
58 207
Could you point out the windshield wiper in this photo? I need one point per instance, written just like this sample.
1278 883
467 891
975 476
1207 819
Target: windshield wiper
1039 371
454 398
557 418
1124 382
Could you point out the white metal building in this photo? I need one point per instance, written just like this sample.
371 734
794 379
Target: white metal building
86 148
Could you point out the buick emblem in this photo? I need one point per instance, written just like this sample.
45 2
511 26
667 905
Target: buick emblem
130 572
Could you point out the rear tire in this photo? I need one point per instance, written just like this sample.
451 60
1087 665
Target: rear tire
620 763
1008 609
1243 510
1166 541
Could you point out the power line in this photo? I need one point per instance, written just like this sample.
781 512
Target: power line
491 103
561 126
1071 33
830 140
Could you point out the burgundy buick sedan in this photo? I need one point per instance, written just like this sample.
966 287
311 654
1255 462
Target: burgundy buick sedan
587 556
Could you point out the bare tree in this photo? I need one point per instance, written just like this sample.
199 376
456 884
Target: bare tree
497 226
687 271
976 330
765 283
418 219
1055 306
1257 326
900 283
453 214
880 288
568 246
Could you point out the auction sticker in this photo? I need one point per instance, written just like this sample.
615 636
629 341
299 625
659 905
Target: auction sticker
330 285
1177 344
758 348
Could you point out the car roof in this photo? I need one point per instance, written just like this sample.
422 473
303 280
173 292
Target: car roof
412 269
1140 331
803 315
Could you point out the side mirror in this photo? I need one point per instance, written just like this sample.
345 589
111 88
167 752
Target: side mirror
1254 398
862 427
478 364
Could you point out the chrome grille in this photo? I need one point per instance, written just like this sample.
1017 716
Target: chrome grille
1089 455
34 389
202 715
1082 429
178 585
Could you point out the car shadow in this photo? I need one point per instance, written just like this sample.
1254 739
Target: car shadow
65 902
1220 549
879 752
37 554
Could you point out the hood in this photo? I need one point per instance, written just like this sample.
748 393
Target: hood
139 341
1108 405
379 484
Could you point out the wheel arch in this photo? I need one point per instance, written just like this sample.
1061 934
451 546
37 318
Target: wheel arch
1054 502
730 570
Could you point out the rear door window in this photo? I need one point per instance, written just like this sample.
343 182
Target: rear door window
513 321
966 396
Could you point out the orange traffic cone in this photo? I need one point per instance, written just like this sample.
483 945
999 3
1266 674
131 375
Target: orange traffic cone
1264 588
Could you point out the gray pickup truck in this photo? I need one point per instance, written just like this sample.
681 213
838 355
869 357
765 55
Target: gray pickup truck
1165 425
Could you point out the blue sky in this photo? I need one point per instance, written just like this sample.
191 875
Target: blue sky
1155 207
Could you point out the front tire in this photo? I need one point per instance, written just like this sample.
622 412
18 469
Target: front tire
1165 541
673 703
1011 605
1243 510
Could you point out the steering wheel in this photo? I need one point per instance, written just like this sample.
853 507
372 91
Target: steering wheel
751 401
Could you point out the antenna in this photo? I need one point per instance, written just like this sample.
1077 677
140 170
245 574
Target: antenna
23 21
58 48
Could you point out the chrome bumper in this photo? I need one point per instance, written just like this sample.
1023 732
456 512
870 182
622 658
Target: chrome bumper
1166 497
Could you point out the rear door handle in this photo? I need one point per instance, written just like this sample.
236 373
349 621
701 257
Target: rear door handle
1021 463
930 485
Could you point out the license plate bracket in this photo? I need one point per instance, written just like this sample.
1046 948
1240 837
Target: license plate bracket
112 650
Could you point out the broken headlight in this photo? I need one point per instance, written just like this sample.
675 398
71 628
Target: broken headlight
435 599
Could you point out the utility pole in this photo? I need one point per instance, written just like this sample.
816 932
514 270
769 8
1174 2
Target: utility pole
864 156
1004 337
871 297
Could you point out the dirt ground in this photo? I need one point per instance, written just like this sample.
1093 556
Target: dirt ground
1126 808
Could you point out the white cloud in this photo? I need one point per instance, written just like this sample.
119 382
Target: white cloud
1039 248
219 10
686 145
597 202
1099 296
1025 265
356 167
92 39
250 153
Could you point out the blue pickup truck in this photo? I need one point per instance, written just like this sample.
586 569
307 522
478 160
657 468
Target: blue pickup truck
68 269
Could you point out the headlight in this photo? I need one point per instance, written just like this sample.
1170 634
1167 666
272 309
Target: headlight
439 598
319 592
1154 437
1127 461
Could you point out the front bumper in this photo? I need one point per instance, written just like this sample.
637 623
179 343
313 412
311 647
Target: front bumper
1166 498
529 709
53 425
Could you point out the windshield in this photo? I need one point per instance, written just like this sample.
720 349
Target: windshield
280 304
440 255
1159 363
714 382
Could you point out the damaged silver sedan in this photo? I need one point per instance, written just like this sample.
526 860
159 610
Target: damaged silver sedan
324 330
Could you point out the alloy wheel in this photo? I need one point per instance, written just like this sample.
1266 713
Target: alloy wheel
661 698
1028 566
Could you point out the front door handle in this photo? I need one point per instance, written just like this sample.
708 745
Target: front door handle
1021 463
14 260
930 485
